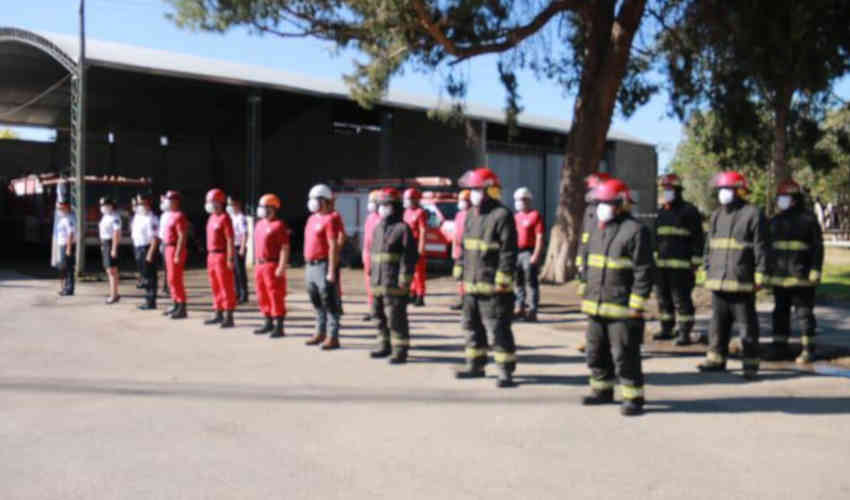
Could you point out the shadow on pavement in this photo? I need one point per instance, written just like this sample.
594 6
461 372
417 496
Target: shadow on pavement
551 380
729 377
787 404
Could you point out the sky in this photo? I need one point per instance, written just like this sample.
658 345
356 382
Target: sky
143 23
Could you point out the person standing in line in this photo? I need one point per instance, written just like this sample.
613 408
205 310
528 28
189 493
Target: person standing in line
529 224
134 210
321 237
176 237
145 235
66 236
240 241
271 247
372 220
588 225
164 214
220 259
457 241
415 217
110 238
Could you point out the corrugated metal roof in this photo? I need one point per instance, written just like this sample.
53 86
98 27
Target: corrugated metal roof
130 57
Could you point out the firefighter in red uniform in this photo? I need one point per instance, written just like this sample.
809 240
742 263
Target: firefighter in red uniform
415 217
176 236
372 220
220 259
271 250
529 226
457 241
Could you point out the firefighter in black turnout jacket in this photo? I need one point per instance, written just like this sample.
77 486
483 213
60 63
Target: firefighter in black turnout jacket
486 267
679 244
736 266
618 273
588 224
796 263
394 255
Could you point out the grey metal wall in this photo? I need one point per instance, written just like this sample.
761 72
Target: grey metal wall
517 170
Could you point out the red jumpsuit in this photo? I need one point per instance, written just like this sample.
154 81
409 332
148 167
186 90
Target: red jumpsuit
174 271
339 228
372 220
415 218
269 238
457 238
219 229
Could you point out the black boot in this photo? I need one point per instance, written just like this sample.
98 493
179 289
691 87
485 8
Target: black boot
381 351
472 369
266 328
631 407
180 313
228 320
218 318
531 316
420 301
603 397
505 377
682 339
457 306
278 328
169 312
367 317
779 351
399 357
149 305
708 366
664 334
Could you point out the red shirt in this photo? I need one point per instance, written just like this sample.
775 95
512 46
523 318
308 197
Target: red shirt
219 228
528 226
339 225
457 237
415 218
318 233
174 221
372 221
269 239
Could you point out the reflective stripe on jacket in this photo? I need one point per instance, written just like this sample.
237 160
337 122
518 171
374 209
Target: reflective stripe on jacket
679 238
796 255
736 255
394 254
489 250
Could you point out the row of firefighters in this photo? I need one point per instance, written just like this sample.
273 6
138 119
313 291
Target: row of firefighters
496 256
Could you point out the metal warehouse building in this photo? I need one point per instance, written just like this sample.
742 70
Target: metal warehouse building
190 123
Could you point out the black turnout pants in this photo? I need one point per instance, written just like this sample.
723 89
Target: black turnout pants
802 299
393 327
734 310
613 355
488 317
674 287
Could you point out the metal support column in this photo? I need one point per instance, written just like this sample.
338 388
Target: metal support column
254 142
78 144
386 144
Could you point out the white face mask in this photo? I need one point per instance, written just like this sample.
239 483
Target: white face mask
140 210
105 210
209 207
463 205
669 195
230 210
519 205
407 203
163 205
313 205
385 211
261 212
476 196
604 212
725 196
371 207
783 202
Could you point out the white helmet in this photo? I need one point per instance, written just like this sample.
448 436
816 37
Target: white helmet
321 191
523 193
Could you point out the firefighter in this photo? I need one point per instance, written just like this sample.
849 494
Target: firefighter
486 268
145 234
415 217
321 237
65 236
394 256
271 250
240 243
736 265
110 237
134 230
176 235
796 263
372 220
679 244
588 224
220 259
457 240
529 224
618 273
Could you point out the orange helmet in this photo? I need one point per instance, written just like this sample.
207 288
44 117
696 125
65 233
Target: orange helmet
463 195
594 179
480 178
216 196
374 194
788 186
612 191
730 179
269 200
389 195
412 194
670 181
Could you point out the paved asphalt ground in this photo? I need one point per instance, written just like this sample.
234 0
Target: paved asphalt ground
102 402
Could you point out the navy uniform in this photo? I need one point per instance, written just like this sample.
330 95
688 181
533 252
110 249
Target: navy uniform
145 235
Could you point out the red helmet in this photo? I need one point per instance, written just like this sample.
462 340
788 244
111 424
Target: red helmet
670 181
480 178
216 196
412 194
730 179
788 187
172 195
612 190
389 195
594 179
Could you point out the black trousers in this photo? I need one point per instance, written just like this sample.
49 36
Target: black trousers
674 287
613 355
734 310
240 277
488 317
802 299
67 265
148 273
140 262
393 326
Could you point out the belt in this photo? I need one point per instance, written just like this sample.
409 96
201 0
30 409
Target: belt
171 244
215 251
316 262
267 261
526 249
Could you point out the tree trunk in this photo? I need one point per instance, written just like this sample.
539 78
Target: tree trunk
782 107
609 41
